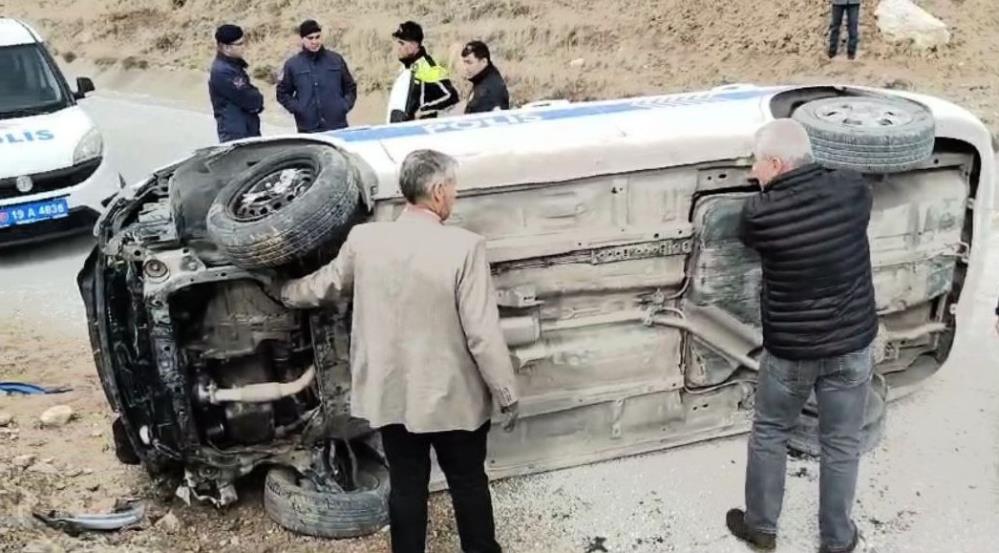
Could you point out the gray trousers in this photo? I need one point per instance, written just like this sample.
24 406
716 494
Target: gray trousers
852 27
840 385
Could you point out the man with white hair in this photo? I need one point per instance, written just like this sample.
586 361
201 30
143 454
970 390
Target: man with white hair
809 225
428 358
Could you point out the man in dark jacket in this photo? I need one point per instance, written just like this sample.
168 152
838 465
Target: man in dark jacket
423 89
852 10
489 89
316 86
809 226
236 102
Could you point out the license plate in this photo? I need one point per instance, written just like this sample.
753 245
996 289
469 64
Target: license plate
25 214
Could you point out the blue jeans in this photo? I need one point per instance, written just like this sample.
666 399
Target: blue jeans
840 385
852 28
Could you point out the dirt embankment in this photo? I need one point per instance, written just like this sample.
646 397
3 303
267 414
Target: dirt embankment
625 48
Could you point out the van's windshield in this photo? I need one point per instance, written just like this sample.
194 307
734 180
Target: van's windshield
28 84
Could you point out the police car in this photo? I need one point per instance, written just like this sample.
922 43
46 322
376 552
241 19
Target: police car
628 303
54 177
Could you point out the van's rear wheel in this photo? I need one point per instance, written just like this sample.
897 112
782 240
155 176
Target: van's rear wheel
285 207
868 134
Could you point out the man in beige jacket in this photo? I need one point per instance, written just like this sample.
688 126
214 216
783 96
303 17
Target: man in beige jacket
427 353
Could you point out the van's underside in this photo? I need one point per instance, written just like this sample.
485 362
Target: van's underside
632 308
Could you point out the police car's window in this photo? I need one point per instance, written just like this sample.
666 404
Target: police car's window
27 83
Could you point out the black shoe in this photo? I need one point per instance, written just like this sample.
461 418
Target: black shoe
831 53
847 549
735 519
852 56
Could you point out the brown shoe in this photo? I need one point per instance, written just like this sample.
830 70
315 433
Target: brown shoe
735 519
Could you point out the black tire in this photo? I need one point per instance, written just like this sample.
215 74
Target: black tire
329 515
875 135
276 234
805 439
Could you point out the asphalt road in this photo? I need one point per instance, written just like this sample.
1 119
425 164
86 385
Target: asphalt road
932 485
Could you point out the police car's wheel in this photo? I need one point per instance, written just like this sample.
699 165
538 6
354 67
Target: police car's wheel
291 502
285 207
868 134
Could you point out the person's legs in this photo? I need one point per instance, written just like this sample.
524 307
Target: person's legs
781 392
408 456
834 26
852 29
462 456
842 393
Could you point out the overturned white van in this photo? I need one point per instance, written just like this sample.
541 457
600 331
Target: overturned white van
629 305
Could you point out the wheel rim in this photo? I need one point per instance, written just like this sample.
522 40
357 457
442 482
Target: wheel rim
864 114
272 192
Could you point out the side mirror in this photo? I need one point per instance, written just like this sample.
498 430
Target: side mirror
83 86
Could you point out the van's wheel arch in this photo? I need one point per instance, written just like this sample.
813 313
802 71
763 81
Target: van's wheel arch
285 207
869 134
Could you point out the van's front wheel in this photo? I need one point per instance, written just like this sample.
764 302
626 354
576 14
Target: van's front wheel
285 207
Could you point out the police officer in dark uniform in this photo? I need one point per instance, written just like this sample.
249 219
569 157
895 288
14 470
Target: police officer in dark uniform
236 102
316 86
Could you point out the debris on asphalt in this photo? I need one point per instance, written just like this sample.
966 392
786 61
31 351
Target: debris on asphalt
25 389
6 418
57 416
597 545
125 514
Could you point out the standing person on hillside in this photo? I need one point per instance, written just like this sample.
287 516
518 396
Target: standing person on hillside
423 89
852 10
427 354
235 101
316 86
809 225
489 89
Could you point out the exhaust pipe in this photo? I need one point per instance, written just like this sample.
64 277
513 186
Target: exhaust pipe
256 393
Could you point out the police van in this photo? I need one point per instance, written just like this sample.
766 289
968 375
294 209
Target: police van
629 305
54 176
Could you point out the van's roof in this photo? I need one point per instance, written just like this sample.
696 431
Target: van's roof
14 32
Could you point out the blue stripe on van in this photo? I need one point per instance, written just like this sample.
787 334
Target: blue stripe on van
507 118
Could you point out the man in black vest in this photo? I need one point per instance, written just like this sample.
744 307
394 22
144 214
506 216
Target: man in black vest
809 225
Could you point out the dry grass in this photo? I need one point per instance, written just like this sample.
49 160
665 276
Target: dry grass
132 62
